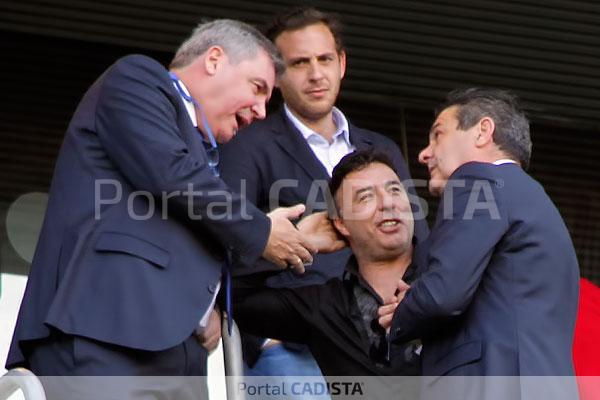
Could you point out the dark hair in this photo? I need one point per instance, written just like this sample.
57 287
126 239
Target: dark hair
301 17
512 127
356 161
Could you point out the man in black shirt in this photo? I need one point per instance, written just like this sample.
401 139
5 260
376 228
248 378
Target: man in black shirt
338 319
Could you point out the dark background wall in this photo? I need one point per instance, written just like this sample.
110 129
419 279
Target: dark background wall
403 56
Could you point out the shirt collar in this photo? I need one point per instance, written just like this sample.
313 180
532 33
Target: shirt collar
188 105
352 275
504 161
339 119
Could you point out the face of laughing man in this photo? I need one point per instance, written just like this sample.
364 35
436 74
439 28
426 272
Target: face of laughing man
375 213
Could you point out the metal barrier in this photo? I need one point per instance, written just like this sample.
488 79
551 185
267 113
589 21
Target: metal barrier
232 354
21 378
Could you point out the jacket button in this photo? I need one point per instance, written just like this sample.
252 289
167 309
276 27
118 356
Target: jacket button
212 287
398 331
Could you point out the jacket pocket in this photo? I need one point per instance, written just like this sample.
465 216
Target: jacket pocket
123 243
462 354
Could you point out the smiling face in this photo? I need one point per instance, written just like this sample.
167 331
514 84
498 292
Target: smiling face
238 93
449 148
375 213
314 70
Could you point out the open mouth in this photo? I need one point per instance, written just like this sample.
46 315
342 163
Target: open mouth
241 120
389 223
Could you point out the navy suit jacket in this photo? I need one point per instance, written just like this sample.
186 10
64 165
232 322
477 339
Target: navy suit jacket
499 296
271 163
141 271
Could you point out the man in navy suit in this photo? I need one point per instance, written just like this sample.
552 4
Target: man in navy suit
288 158
499 294
130 256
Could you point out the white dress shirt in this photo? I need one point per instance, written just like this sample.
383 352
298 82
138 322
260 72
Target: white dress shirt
329 154
192 112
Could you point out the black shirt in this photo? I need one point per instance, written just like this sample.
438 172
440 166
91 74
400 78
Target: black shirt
337 320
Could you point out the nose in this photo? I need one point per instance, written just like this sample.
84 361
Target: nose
425 155
259 110
386 201
315 72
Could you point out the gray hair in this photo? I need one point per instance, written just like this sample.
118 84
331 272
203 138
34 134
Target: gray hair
239 40
511 134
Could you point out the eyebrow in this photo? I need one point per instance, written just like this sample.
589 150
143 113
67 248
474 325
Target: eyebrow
370 188
433 127
306 58
262 84
263 87
326 54
294 60
394 182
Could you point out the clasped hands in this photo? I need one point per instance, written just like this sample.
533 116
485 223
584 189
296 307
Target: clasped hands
287 246
293 246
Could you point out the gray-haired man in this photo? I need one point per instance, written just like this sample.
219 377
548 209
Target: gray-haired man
130 256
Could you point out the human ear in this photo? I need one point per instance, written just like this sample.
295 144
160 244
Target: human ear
215 55
342 56
339 224
485 134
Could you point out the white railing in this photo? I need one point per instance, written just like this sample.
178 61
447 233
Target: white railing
232 354
23 379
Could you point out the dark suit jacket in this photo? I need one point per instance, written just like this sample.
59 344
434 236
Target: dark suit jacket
273 165
136 280
500 293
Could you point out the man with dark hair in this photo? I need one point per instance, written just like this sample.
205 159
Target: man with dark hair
338 319
288 158
499 294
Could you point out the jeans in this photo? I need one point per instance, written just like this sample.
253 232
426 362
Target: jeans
280 361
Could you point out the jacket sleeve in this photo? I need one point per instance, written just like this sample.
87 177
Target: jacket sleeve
282 314
136 122
470 223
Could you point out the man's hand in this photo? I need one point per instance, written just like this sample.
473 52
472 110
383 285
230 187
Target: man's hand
320 232
286 246
209 337
386 311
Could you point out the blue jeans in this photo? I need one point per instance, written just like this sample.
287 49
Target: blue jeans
280 361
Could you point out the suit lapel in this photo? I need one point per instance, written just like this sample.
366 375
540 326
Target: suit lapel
190 134
360 139
294 144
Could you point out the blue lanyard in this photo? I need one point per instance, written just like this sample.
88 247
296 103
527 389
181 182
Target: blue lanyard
213 163
212 152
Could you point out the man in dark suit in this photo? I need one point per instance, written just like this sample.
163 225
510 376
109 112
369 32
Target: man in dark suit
499 296
130 256
288 158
